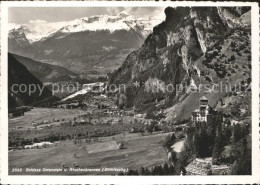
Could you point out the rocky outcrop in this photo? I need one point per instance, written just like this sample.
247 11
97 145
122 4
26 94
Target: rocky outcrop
189 47
18 42
235 17
208 25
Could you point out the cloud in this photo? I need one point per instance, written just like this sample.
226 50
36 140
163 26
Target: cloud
114 10
13 26
41 27
37 21
138 11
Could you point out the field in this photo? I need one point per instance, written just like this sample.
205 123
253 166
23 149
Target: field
42 114
146 151
22 127
120 149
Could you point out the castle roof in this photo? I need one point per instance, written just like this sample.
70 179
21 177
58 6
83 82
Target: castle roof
203 98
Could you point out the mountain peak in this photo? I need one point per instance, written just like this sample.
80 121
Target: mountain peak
111 23
121 21
123 14
18 30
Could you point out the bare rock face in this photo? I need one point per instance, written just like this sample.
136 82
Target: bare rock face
235 17
191 49
18 43
208 25
192 45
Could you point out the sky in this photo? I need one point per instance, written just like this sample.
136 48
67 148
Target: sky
27 15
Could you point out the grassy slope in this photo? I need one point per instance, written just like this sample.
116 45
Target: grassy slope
183 109
140 151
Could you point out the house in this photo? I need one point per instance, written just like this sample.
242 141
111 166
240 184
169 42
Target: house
235 122
139 115
220 169
204 166
199 166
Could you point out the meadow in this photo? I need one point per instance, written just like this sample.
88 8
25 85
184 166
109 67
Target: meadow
138 151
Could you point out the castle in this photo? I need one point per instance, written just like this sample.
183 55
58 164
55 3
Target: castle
205 113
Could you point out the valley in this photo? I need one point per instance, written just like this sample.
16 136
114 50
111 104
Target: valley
156 97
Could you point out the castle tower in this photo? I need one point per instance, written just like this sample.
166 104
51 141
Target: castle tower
203 103
204 108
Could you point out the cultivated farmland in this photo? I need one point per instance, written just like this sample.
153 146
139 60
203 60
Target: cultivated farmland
138 151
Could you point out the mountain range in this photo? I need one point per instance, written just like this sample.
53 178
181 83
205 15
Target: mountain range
93 45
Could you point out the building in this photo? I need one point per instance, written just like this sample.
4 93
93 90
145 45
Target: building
199 166
205 113
204 167
200 115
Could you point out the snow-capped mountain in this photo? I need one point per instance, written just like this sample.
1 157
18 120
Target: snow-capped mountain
121 21
91 45
18 42
19 35
30 34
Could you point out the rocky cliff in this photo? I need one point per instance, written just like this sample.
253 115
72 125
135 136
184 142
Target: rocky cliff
192 47
18 42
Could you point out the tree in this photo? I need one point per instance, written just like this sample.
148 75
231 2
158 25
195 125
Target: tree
237 133
132 172
35 140
218 148
174 157
166 169
241 157
141 171
150 112
169 141
202 144
227 133
242 166
122 101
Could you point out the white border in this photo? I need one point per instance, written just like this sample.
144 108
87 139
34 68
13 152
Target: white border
15 179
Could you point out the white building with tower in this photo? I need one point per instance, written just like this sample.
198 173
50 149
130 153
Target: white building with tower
200 114
206 113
